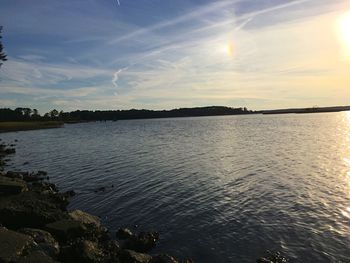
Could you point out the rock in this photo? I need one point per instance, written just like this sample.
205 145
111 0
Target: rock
30 209
129 256
10 186
44 240
144 242
34 177
163 258
85 218
13 245
69 193
41 173
83 251
272 257
36 257
66 229
124 233
10 151
18 175
113 248
25 163
41 187
94 230
264 260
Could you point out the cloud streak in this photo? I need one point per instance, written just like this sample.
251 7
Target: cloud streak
116 76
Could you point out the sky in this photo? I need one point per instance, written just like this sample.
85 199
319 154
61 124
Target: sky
164 54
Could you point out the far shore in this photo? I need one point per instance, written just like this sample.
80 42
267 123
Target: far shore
28 125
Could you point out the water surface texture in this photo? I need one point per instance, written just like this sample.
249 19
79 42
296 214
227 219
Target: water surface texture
218 189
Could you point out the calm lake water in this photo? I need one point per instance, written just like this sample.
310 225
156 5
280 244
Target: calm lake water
218 189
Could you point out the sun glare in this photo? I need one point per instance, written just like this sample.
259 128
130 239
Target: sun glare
344 28
229 49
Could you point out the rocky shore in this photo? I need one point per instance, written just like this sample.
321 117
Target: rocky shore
35 226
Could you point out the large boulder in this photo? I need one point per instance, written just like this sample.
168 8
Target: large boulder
85 218
12 186
83 251
13 174
30 209
46 188
124 233
143 242
13 245
112 250
67 229
36 256
130 256
44 239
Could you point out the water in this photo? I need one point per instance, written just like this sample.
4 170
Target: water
218 189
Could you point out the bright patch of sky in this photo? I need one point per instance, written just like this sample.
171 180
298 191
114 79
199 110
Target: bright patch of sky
162 54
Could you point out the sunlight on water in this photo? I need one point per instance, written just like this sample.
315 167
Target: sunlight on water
346 213
347 161
348 116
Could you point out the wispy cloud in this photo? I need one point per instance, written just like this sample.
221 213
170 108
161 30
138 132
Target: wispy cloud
116 76
197 13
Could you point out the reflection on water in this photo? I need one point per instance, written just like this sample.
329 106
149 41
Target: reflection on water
219 189
346 212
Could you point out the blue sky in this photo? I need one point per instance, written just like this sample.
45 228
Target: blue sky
162 54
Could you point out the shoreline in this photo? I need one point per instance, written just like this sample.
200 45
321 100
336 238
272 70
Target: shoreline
14 126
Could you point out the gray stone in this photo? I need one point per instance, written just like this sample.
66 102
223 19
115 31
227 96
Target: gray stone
11 186
143 242
83 251
272 257
13 245
85 218
66 229
130 256
90 251
124 233
12 174
44 239
30 209
36 257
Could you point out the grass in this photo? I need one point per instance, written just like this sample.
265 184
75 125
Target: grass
28 125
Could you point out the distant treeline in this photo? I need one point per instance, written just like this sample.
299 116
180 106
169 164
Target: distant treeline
27 114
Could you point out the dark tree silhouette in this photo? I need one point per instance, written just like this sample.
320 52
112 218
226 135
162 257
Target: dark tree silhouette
27 114
2 54
54 113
